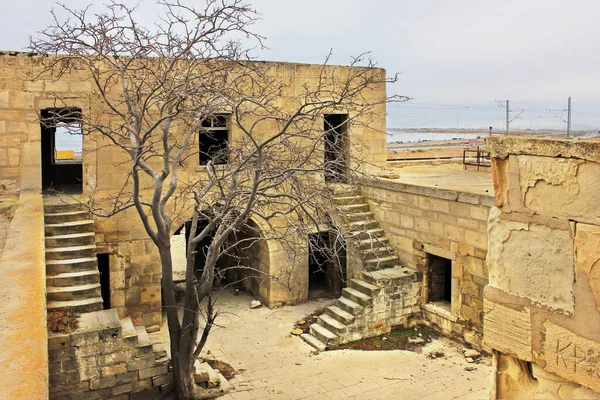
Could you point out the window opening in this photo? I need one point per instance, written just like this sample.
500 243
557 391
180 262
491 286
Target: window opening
440 280
214 138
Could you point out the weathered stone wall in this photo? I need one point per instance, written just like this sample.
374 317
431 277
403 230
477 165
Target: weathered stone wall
542 305
449 224
105 358
134 267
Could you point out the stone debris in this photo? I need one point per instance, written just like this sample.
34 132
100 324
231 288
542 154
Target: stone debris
472 353
297 331
469 360
255 304
416 340
205 376
153 328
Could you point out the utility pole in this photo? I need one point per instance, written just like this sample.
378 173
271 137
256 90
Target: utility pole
507 118
569 118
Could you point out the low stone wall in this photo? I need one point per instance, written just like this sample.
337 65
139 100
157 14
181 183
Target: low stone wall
542 305
23 314
422 221
107 358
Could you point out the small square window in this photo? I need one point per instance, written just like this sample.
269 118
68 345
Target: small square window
214 140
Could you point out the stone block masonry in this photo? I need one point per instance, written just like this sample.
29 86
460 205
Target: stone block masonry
423 221
543 300
107 358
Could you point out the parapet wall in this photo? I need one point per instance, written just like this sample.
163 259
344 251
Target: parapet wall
422 221
542 305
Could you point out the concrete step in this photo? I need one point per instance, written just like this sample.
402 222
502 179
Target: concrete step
80 306
357 297
66 216
368 234
354 208
351 307
324 335
73 239
358 216
65 228
73 278
374 242
71 265
364 287
313 341
378 252
331 324
363 225
346 200
381 262
67 253
79 292
340 315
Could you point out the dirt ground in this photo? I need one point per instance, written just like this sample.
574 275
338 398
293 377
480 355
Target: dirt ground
274 364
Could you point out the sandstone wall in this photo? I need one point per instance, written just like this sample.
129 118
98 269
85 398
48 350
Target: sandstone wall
445 223
542 305
134 267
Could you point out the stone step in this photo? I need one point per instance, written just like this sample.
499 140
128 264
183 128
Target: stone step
71 265
387 276
354 208
351 307
358 216
73 252
73 278
364 287
143 338
80 306
344 190
65 228
378 252
368 234
364 225
374 242
63 207
356 296
73 239
340 315
66 216
324 335
79 292
313 341
128 332
381 262
347 200
331 324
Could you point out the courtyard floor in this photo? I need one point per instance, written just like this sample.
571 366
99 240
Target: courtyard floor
274 364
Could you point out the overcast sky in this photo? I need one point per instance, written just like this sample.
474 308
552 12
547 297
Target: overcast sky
456 57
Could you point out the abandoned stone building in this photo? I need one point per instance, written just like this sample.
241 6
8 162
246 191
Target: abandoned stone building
416 247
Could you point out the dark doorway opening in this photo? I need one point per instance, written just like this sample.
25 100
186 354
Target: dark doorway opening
202 251
326 265
335 147
103 268
62 147
440 280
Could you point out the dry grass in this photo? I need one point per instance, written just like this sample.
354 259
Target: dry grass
63 321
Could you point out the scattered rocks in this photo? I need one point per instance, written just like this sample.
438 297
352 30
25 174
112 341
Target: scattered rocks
416 340
436 354
297 331
153 328
469 360
205 376
255 304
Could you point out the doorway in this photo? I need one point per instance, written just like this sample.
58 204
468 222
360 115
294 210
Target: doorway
62 148
104 269
326 265
335 147
440 280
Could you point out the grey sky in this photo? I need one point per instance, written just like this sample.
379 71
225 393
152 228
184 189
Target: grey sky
452 54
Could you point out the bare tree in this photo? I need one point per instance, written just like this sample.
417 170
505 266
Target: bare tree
161 96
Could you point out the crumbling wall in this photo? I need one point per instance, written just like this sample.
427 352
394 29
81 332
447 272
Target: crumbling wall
446 223
542 305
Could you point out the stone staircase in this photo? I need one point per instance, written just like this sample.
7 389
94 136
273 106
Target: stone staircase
382 297
72 277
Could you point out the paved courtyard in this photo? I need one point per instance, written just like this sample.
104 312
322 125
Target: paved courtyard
277 365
